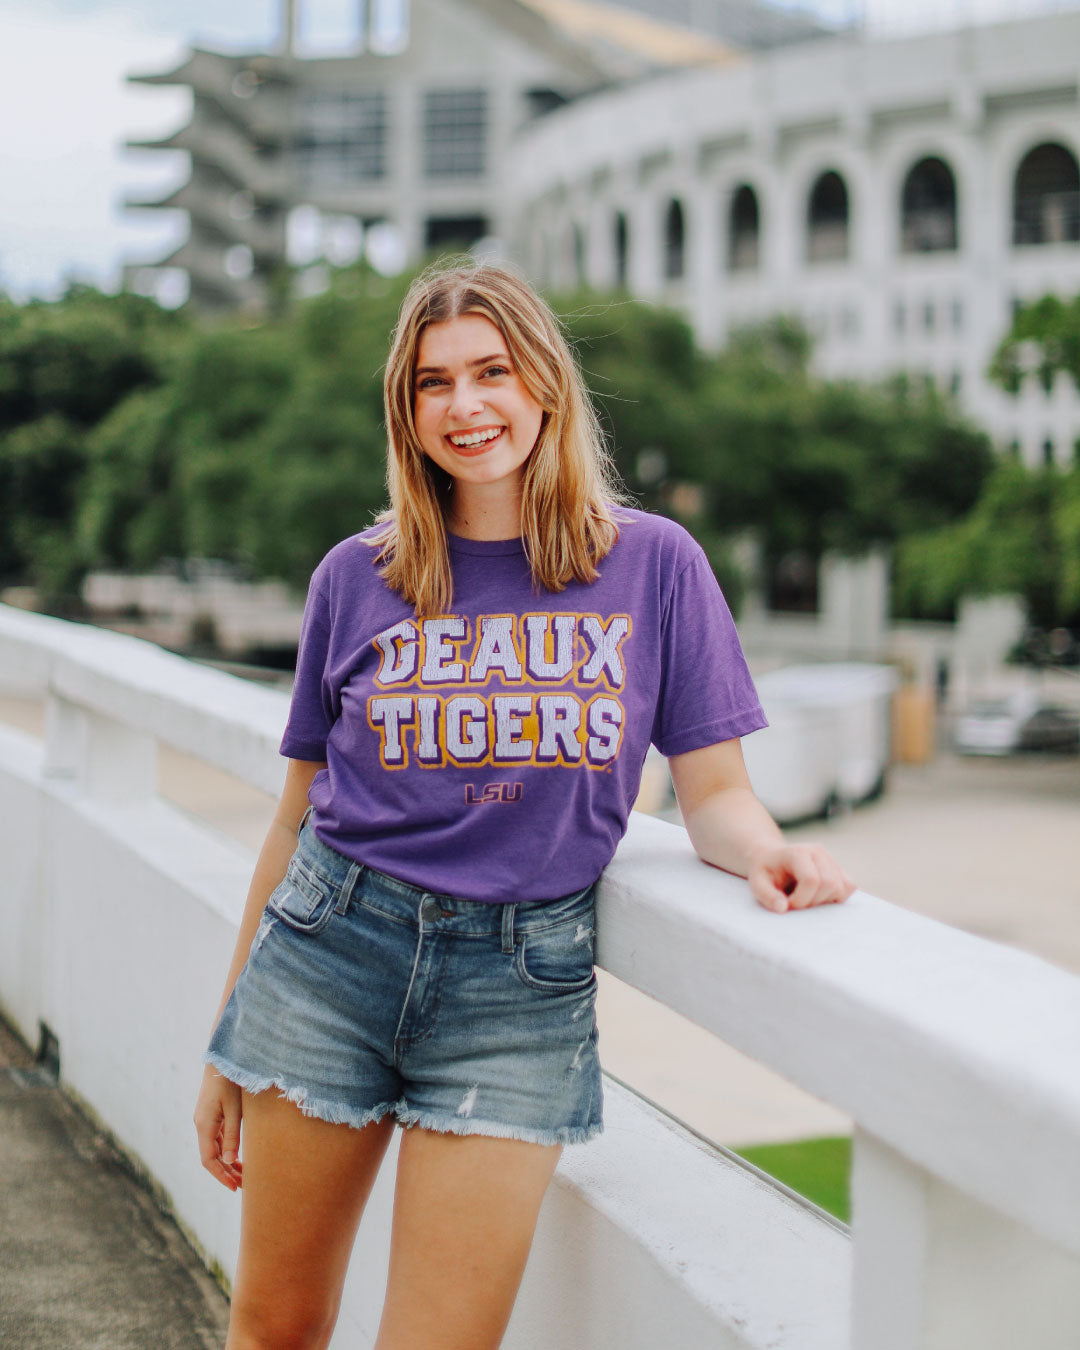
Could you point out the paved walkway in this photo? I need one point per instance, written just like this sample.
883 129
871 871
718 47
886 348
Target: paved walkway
87 1260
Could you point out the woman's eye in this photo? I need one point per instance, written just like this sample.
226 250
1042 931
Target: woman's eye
496 370
428 382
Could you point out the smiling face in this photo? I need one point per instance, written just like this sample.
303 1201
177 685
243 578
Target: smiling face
473 415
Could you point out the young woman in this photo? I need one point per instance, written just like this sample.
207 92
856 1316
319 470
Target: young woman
480 676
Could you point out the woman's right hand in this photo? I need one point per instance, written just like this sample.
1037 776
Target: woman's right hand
217 1123
217 1112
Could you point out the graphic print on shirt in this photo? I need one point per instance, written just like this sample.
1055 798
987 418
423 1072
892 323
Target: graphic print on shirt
560 675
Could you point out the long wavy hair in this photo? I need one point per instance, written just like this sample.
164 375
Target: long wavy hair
570 485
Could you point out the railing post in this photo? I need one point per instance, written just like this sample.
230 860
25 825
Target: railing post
108 760
65 737
936 1270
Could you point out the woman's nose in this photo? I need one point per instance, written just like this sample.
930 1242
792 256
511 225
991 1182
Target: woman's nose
465 399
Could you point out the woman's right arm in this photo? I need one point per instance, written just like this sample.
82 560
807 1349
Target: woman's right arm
217 1112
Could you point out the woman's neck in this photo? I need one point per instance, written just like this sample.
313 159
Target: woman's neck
473 515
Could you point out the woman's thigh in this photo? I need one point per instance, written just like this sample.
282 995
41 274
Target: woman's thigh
465 1210
305 1185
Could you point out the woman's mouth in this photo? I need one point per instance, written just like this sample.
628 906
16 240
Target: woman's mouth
474 442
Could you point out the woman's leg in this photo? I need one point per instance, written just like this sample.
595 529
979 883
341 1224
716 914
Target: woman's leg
305 1187
465 1208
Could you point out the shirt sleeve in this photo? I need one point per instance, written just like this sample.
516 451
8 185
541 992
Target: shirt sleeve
706 693
311 712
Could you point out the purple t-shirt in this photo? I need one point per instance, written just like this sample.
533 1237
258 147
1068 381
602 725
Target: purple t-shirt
494 753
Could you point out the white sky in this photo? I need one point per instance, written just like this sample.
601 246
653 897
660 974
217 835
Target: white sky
65 111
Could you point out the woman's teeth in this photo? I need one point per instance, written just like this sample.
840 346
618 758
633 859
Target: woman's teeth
475 437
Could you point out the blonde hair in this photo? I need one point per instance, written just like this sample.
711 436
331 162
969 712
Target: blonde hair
569 484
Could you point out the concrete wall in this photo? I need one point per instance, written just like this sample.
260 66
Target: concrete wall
955 1056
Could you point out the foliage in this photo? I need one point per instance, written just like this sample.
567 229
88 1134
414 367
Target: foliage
812 464
644 372
1044 339
63 367
130 435
1023 536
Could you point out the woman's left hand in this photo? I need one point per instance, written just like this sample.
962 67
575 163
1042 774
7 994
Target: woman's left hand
785 876
731 829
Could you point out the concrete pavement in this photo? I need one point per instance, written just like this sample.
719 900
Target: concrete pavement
87 1259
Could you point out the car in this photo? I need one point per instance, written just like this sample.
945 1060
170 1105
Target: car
1006 726
1051 728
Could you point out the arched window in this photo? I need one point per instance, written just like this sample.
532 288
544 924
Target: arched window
674 241
1046 197
622 248
744 230
928 208
827 220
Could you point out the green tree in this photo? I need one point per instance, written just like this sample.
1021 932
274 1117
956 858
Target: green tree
1023 534
134 435
645 374
263 446
811 464
63 366
1044 339
1014 540
1022 537
322 458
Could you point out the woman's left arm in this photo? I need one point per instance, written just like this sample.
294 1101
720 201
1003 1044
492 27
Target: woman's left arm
730 828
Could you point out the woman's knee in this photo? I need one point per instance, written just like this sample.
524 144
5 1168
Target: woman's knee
298 1322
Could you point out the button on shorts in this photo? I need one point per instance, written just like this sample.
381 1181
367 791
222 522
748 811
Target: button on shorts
364 995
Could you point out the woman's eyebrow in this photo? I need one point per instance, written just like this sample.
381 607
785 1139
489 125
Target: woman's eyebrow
480 361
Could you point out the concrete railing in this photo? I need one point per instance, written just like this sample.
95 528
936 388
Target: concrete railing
958 1059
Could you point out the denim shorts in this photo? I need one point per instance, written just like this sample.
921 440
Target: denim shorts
364 995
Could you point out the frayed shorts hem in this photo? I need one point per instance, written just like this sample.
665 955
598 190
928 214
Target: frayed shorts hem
335 1113
430 1120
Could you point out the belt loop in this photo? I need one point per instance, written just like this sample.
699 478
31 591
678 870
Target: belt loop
508 927
352 877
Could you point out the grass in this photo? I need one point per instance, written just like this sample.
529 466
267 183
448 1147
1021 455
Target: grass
817 1168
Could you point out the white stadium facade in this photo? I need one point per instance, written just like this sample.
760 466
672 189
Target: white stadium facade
900 194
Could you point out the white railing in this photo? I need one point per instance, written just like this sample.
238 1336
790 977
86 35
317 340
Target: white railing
958 1059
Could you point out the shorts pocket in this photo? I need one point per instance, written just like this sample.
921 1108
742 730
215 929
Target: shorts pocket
302 900
558 956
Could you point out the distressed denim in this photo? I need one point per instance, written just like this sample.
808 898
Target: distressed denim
364 995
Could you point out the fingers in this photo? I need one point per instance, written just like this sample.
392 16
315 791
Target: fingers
768 894
217 1124
800 876
819 880
807 882
210 1155
230 1134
